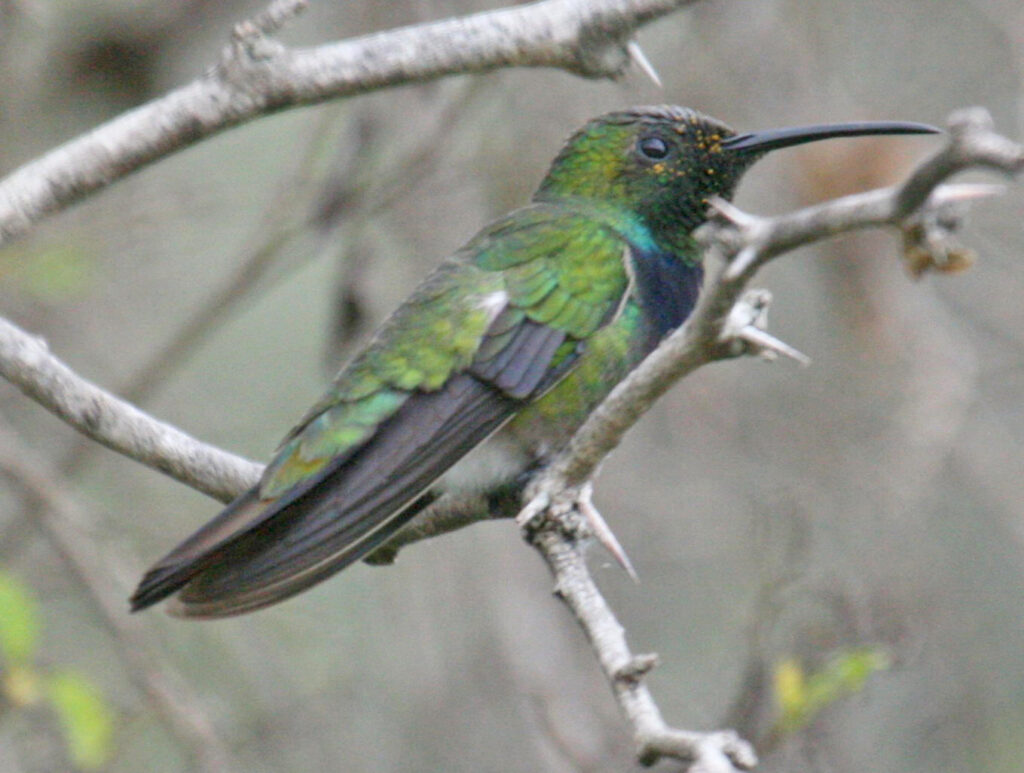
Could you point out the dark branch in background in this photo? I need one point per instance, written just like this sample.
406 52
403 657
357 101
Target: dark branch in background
728 322
283 218
257 76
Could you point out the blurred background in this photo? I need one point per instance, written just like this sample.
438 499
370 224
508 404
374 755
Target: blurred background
831 558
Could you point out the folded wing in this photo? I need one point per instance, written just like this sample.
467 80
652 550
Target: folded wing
356 469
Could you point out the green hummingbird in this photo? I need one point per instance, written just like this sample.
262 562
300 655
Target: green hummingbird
503 351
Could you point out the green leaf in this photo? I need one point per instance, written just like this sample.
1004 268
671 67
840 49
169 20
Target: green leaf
85 718
800 697
19 621
790 691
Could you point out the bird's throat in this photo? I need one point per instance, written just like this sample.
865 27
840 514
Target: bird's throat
666 287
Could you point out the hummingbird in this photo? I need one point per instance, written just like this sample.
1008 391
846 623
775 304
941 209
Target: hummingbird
492 363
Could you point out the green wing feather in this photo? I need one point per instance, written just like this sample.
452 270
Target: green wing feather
481 337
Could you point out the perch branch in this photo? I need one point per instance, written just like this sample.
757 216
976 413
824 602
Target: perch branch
728 321
257 76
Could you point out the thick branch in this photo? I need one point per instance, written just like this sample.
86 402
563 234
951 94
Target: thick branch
27 362
256 77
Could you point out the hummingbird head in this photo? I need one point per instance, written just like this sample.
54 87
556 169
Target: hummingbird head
654 169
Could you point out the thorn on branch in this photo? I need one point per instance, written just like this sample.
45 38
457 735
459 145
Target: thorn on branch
603 45
741 236
602 531
532 510
253 36
745 330
637 56
637 668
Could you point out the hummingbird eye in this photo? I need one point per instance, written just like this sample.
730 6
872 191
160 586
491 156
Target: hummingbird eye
654 148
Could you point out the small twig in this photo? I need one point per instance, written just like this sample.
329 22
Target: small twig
719 752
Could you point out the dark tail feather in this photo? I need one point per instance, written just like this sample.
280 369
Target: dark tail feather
354 510
195 602
258 552
171 573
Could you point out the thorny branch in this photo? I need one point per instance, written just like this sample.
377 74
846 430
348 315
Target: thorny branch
926 218
728 322
257 76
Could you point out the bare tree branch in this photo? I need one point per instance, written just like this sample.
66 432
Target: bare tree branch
929 217
561 540
727 322
27 363
257 76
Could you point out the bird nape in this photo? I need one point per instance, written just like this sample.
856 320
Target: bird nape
491 364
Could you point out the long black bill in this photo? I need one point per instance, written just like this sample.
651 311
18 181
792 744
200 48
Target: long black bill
773 139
